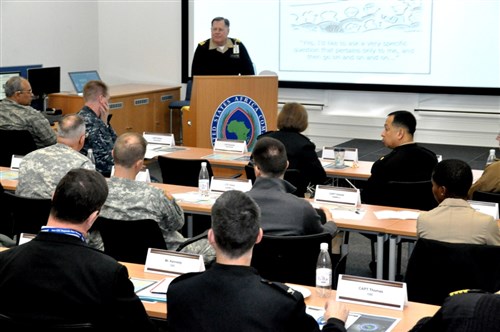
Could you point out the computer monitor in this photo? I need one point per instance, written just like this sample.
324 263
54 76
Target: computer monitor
4 77
80 78
43 81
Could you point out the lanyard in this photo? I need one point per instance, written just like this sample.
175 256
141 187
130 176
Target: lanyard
66 231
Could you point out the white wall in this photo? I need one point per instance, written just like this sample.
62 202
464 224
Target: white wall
140 41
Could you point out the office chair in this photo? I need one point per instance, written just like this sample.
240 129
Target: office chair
178 105
404 194
18 142
437 268
28 215
129 240
291 175
290 258
487 197
182 172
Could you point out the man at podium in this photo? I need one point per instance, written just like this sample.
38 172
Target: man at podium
221 55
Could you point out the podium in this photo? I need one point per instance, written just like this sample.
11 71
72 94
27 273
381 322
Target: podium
230 107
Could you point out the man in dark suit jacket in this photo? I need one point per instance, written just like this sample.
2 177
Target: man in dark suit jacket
231 296
282 212
56 278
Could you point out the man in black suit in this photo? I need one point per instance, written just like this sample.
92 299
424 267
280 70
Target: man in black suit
231 296
56 278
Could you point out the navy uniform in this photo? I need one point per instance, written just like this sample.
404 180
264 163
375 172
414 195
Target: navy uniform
41 170
236 298
14 116
407 162
469 312
232 59
100 137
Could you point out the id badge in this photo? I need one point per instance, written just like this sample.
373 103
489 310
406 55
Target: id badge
236 49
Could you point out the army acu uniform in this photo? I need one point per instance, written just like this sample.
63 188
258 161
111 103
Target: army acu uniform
14 116
40 171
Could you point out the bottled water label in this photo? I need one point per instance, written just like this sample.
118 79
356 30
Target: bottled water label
323 277
203 187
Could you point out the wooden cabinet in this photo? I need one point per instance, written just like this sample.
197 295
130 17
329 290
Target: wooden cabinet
135 107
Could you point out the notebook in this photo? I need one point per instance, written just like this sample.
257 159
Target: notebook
80 78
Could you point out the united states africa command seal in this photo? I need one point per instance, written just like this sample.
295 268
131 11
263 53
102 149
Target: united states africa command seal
240 118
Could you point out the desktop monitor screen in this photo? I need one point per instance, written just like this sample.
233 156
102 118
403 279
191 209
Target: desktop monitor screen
4 77
44 81
80 78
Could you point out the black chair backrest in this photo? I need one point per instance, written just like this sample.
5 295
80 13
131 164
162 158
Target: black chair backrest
289 258
485 196
189 89
183 172
18 142
437 268
28 215
291 175
410 195
129 240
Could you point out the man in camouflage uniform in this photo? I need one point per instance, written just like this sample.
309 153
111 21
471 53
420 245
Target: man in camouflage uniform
40 171
100 135
132 200
17 114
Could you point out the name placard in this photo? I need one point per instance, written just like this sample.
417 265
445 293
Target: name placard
171 262
15 162
220 185
159 138
372 292
348 198
350 154
490 208
230 145
25 237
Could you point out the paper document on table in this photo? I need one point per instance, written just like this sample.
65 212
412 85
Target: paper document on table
149 290
357 321
391 214
195 197
348 214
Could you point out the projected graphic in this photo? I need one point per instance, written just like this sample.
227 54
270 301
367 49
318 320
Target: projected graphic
359 36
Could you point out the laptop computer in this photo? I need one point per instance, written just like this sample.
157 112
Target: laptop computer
80 78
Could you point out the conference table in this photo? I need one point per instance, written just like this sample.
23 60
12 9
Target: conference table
226 164
409 315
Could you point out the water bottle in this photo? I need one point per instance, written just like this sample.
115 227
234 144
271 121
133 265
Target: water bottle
324 272
491 157
90 155
203 181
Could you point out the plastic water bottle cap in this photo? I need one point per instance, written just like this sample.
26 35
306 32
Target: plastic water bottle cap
324 246
203 163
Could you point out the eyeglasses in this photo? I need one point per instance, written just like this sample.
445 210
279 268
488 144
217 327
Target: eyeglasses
28 91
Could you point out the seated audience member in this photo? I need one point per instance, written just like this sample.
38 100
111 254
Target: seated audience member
454 220
133 200
231 295
60 277
17 114
101 136
40 171
300 151
5 241
464 312
490 179
406 162
282 212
